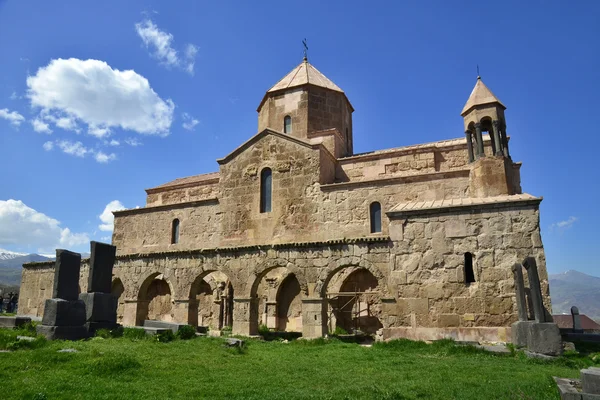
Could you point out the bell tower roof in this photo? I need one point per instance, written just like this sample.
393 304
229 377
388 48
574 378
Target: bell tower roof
480 95
304 74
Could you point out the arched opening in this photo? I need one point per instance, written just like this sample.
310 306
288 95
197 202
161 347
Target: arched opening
276 301
211 301
117 291
175 232
289 305
469 272
287 124
375 217
266 181
486 127
354 302
154 300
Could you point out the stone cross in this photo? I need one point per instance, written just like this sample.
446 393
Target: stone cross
536 289
577 328
520 291
66 275
102 260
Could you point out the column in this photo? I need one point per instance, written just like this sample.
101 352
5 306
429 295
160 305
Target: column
479 139
245 316
499 146
271 317
470 145
504 141
536 289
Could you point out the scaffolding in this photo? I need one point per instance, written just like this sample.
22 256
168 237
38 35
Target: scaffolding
359 298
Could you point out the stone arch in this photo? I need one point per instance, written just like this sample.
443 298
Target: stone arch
117 290
289 304
353 299
270 304
154 299
211 300
355 262
264 268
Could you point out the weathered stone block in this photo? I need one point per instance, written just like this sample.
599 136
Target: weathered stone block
590 380
448 320
13 322
455 228
544 338
100 307
59 312
520 333
102 260
63 332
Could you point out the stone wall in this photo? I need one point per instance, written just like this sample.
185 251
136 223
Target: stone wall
196 192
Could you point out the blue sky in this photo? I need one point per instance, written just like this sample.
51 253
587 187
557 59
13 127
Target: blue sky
408 67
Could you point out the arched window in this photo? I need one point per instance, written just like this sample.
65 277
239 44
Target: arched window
175 232
375 214
266 181
469 273
287 124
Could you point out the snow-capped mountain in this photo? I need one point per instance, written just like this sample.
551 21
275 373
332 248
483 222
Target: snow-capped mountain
9 255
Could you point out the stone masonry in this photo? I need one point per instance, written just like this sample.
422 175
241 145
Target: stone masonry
415 241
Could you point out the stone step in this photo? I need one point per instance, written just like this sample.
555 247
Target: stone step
162 324
12 322
152 330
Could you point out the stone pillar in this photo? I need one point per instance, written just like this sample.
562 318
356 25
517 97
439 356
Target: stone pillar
469 135
577 328
244 323
313 317
520 291
536 289
180 310
479 139
504 141
130 312
271 314
497 142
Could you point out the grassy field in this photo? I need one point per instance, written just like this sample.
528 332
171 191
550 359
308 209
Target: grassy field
202 368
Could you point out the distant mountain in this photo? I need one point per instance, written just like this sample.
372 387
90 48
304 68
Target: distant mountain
11 265
574 288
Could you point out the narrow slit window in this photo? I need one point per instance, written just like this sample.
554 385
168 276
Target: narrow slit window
175 232
375 214
469 273
287 124
266 180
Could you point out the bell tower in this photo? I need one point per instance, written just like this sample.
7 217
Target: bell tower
493 172
307 105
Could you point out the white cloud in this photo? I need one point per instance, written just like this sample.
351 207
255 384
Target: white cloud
67 124
107 218
48 146
133 142
104 158
114 142
40 126
23 226
160 44
76 149
93 93
565 224
13 117
189 122
14 96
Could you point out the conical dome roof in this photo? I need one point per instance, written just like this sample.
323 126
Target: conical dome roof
304 74
480 95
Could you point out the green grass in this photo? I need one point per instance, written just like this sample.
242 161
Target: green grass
202 368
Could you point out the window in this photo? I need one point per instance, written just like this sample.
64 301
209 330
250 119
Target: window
287 124
469 273
266 181
375 214
175 232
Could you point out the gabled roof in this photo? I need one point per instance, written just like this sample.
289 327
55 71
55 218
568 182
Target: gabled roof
261 134
480 95
212 177
304 74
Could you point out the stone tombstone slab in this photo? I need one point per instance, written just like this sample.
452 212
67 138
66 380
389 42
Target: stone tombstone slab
102 260
536 289
60 312
520 291
100 307
544 338
590 380
577 328
66 275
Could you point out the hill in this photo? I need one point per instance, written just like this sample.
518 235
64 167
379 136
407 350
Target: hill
11 264
574 288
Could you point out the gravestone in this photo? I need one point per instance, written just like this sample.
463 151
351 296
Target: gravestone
64 313
100 303
577 328
540 335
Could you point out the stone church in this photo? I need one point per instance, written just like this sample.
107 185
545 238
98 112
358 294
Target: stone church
297 232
